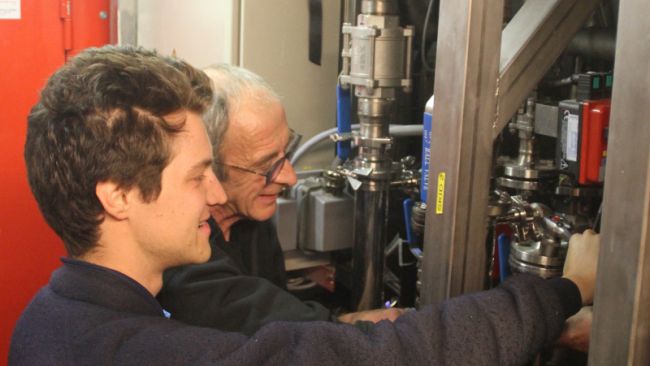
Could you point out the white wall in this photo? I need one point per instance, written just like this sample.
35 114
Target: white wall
274 44
202 32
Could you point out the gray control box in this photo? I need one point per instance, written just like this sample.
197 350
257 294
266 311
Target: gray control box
330 222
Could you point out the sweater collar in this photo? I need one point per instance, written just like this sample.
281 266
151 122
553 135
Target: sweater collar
87 282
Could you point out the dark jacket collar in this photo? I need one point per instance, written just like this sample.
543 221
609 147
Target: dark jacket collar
87 282
243 225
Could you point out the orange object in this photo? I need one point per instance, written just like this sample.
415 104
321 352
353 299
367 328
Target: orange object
593 144
32 47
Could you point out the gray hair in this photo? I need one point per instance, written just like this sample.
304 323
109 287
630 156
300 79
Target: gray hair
231 84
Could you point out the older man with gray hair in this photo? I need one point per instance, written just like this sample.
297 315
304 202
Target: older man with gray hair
243 286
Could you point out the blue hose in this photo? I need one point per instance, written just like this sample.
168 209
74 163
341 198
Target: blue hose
343 121
503 243
407 205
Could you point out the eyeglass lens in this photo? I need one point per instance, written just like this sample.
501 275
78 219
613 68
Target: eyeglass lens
275 170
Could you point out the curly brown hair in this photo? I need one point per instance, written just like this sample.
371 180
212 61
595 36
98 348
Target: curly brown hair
101 117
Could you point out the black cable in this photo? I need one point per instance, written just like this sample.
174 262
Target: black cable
423 50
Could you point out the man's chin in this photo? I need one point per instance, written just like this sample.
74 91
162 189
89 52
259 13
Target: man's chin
263 214
203 256
204 259
261 209
189 260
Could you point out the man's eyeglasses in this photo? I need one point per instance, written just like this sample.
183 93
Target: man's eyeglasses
272 173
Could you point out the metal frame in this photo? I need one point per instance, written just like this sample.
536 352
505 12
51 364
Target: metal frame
467 67
621 324
465 95
470 114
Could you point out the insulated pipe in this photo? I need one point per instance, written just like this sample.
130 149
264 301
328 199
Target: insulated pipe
599 43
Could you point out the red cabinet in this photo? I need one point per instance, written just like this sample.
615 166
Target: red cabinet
31 48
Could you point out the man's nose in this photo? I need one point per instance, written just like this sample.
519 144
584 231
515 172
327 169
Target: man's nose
287 174
215 193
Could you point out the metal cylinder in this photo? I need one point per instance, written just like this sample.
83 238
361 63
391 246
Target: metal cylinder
371 213
376 107
374 120
544 258
375 111
389 55
377 53
379 7
525 157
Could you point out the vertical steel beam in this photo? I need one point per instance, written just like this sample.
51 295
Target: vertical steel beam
467 68
530 44
621 324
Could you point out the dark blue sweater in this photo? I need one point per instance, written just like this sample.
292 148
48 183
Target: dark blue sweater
241 288
90 315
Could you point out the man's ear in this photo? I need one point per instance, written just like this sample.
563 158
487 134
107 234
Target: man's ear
114 199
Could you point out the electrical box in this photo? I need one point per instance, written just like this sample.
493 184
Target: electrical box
582 139
329 222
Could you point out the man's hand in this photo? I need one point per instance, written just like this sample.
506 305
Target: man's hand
581 262
372 315
577 329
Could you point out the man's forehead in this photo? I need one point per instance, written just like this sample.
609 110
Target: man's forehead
255 138
192 139
254 120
